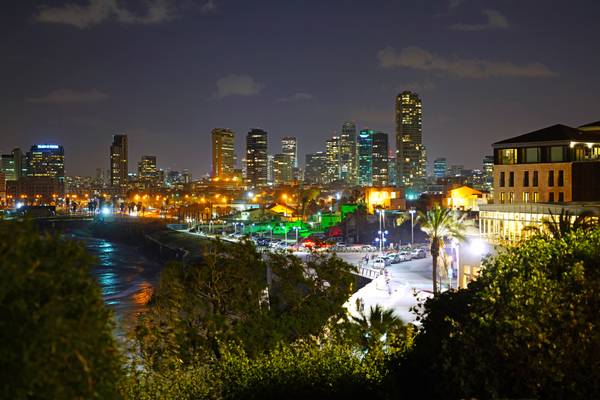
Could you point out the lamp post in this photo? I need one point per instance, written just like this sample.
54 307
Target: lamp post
412 226
296 228
284 232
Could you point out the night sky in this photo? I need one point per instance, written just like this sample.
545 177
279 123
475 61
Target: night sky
165 72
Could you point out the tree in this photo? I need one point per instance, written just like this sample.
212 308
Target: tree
440 224
234 295
564 223
56 335
371 330
526 328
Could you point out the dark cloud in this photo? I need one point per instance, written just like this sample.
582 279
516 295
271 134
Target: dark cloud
495 20
420 59
237 85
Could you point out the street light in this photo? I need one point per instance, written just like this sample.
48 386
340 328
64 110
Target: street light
412 212
296 228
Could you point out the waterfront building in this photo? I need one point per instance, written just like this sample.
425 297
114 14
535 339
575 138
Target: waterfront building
440 168
365 157
348 154
542 172
119 163
410 152
257 158
223 153
380 172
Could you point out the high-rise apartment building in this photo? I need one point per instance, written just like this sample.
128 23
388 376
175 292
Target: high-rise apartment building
316 168
332 149
46 160
365 157
223 153
13 165
410 152
257 158
147 171
380 172
283 169
289 146
348 153
440 168
119 163
392 170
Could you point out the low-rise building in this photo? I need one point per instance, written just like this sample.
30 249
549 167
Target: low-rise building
540 173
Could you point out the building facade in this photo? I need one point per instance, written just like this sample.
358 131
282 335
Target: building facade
332 149
46 160
348 154
119 163
316 168
538 173
223 153
410 152
289 146
365 157
257 158
440 168
283 169
147 171
380 172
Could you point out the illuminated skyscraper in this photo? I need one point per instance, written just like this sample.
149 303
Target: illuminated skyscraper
289 146
282 169
147 171
348 164
223 153
46 160
13 165
440 167
380 171
256 157
332 149
365 157
119 163
316 168
410 152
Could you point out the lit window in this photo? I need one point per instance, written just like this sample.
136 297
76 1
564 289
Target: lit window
556 154
508 156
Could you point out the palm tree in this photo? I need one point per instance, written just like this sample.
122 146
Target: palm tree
438 224
560 225
372 328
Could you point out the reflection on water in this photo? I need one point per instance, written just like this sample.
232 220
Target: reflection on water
126 277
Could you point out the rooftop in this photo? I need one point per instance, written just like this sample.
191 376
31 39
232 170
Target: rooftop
554 133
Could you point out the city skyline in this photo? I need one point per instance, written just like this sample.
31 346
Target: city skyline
157 79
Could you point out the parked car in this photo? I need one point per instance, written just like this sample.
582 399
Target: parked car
394 257
419 253
368 247
379 263
387 259
405 255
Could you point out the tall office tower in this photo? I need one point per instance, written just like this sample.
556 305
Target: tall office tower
46 160
392 169
13 165
380 172
119 164
316 168
256 157
440 167
270 165
147 170
365 157
332 148
410 152
348 164
456 170
223 153
283 169
488 172
289 146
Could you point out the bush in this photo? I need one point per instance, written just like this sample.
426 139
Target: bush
527 328
56 335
